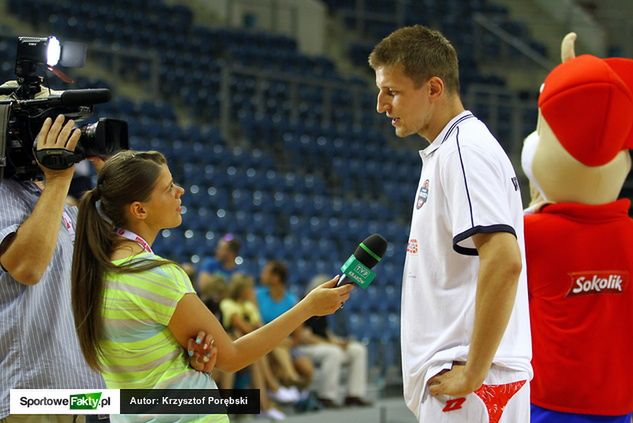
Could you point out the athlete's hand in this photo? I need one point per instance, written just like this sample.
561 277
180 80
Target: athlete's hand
454 382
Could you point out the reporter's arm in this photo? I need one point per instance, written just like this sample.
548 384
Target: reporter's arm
27 253
192 315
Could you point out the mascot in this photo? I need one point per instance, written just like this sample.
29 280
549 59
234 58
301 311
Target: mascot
579 242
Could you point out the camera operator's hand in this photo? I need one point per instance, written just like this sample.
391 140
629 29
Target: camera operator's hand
58 135
26 253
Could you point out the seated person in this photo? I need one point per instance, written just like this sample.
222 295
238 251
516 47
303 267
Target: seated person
274 299
319 343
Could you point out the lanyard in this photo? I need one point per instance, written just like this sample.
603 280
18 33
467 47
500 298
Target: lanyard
133 237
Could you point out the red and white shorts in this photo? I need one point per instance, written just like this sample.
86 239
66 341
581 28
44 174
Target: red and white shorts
503 398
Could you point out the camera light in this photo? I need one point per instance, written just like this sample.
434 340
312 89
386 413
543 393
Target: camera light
53 51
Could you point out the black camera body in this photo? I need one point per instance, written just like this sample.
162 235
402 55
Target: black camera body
27 104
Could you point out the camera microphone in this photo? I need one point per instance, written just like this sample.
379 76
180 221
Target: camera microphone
358 266
72 98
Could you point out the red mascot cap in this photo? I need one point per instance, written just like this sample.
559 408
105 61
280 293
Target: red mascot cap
588 103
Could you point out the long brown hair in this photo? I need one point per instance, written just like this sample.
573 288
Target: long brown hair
126 177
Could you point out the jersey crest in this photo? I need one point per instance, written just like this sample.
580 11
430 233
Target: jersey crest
423 195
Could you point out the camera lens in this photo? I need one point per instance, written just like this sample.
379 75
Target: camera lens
103 138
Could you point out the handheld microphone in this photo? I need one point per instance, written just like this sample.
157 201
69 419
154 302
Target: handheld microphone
358 266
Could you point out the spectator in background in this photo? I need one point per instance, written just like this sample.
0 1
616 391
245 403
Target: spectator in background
319 343
190 270
224 264
213 294
240 316
273 300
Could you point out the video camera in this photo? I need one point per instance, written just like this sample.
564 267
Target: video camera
27 104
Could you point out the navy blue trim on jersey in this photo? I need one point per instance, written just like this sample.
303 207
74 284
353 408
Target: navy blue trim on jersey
461 162
478 230
457 122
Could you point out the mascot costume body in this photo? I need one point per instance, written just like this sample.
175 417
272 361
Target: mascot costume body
579 242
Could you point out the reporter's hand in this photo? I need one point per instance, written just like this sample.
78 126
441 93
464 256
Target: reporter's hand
327 298
202 352
58 135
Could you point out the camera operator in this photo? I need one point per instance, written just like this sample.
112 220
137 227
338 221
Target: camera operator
38 344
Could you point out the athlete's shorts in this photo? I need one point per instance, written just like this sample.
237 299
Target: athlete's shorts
503 398
542 415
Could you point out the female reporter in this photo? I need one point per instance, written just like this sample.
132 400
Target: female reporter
134 311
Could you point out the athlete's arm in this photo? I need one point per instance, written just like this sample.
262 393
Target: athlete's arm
499 270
